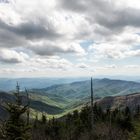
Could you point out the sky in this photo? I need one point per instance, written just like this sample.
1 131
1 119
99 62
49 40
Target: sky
58 38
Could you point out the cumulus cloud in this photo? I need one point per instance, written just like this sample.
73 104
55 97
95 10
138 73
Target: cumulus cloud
105 50
34 36
51 48
31 29
118 47
112 51
106 13
49 62
11 56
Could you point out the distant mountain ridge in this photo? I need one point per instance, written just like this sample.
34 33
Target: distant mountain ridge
102 87
8 84
62 98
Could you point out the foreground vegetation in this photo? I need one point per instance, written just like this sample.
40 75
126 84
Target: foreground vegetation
107 124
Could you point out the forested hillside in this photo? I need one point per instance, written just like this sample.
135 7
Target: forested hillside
109 123
114 115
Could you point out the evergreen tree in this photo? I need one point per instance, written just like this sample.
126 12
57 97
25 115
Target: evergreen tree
16 128
44 119
36 120
86 117
52 129
137 114
124 120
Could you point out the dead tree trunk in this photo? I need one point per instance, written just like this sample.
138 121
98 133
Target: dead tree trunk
28 109
92 111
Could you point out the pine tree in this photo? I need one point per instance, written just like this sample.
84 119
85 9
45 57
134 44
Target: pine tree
52 129
137 112
44 119
36 121
16 128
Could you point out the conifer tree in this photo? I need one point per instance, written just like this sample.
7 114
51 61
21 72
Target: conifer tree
36 121
137 111
16 128
44 119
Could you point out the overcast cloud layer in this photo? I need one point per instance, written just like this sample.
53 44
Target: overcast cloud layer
69 37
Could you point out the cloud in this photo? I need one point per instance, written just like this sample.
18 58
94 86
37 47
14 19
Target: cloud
50 48
82 66
4 1
33 36
11 56
105 50
117 20
118 47
11 40
113 51
48 35
32 29
132 66
74 5
48 63
36 31
111 66
107 15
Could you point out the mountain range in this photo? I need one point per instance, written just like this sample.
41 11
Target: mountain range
60 98
8 84
81 89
